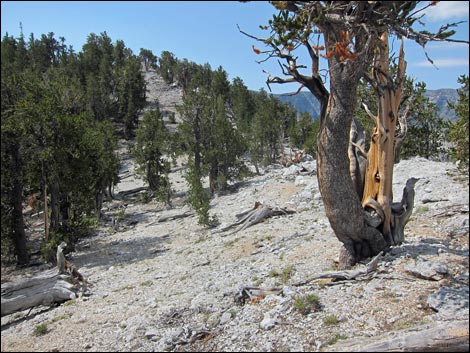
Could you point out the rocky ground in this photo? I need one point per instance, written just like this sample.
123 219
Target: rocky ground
171 286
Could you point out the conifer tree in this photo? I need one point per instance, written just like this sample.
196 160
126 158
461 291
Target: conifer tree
151 153
168 66
243 105
13 237
459 132
303 133
355 37
50 141
426 130
193 132
148 58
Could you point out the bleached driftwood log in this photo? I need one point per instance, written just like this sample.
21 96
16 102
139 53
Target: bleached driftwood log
122 194
56 285
255 215
440 336
175 216
45 289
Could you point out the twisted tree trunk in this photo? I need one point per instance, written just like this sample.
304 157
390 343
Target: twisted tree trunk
357 193
342 204
379 173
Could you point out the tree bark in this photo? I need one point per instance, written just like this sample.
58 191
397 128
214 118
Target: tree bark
55 211
381 157
213 176
21 250
357 156
342 204
339 190
44 187
99 196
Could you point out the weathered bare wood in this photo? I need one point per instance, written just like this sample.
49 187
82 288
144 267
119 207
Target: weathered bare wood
126 175
241 218
53 286
177 169
357 156
45 289
245 213
401 133
401 212
381 156
447 336
132 191
246 293
61 257
257 215
175 216
433 200
452 210
346 274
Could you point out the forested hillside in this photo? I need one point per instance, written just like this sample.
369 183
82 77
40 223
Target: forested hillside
63 112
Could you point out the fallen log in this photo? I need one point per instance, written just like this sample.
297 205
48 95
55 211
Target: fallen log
45 289
345 275
254 216
439 336
131 191
175 216
56 285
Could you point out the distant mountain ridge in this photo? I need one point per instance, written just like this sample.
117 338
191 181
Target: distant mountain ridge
306 102
303 102
440 97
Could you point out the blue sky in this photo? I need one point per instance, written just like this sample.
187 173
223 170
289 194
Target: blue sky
206 31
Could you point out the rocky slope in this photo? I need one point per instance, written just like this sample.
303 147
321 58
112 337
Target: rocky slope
171 286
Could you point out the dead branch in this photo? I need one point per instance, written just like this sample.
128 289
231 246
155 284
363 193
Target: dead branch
401 212
177 169
433 200
401 133
346 275
452 210
256 215
175 216
132 191
246 293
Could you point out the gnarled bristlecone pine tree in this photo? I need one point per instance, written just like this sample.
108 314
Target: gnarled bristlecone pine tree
352 36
